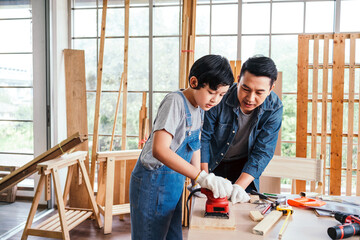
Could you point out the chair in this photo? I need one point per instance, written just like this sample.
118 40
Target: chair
297 168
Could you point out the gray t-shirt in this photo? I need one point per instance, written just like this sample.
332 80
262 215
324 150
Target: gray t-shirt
172 118
239 146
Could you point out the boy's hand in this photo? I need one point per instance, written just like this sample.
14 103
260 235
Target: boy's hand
219 186
239 195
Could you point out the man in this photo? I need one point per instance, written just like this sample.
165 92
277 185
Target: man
239 135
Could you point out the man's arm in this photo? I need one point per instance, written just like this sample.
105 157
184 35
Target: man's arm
207 134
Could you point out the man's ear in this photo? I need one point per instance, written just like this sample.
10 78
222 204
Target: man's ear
193 82
272 88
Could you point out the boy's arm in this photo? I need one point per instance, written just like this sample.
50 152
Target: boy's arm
162 152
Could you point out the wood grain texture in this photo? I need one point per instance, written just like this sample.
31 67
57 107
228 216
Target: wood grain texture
337 114
198 221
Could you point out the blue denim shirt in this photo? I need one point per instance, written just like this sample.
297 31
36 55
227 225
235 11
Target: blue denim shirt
221 124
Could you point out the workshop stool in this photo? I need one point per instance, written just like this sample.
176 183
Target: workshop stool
113 184
59 225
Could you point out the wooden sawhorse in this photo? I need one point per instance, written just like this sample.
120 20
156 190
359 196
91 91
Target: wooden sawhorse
113 188
59 225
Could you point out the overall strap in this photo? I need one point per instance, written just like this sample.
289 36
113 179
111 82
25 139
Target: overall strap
187 111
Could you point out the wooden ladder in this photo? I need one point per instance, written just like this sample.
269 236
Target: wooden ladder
67 218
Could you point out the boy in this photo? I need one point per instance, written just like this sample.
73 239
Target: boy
158 178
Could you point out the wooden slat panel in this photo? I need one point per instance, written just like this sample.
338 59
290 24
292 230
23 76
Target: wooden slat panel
302 108
55 225
324 101
44 233
314 101
350 117
337 114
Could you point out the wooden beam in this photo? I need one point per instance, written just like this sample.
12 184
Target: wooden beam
337 114
30 168
116 112
302 107
98 95
126 54
350 141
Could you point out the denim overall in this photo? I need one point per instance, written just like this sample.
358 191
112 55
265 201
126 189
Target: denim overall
155 195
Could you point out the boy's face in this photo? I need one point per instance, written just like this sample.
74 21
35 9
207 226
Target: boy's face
207 98
252 91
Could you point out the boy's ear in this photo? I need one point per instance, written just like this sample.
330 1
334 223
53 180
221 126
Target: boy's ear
193 82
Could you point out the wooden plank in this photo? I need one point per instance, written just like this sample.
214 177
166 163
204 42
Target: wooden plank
100 196
314 100
30 168
337 114
233 69
302 107
198 221
50 221
256 216
33 208
63 161
119 155
142 123
324 101
60 204
350 141
238 70
98 95
44 233
90 193
265 225
68 183
126 54
116 111
109 195
76 114
55 225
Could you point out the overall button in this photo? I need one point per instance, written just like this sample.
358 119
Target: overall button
189 133
217 162
222 154
228 143
233 131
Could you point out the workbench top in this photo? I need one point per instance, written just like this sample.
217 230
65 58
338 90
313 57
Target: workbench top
303 224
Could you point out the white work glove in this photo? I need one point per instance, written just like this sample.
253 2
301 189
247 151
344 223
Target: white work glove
239 195
219 186
191 188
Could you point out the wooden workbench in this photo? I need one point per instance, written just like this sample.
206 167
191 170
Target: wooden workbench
303 224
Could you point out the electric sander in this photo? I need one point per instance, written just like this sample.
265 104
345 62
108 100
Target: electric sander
215 207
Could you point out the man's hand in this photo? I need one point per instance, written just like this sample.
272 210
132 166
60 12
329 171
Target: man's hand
219 186
239 195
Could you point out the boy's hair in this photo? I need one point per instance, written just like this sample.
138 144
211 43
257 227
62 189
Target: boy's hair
260 65
213 70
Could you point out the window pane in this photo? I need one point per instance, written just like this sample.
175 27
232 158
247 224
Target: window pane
166 2
224 23
158 97
15 69
166 20
16 137
89 46
225 46
84 4
16 41
202 20
349 16
16 9
286 63
113 65
84 23
107 113
16 103
166 64
115 19
138 69
251 20
90 101
287 17
139 22
252 45
201 46
319 21
224 1
132 115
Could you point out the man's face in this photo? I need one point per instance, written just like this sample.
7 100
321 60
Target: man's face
252 91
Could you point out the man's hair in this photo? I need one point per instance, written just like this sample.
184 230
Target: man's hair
213 70
260 65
